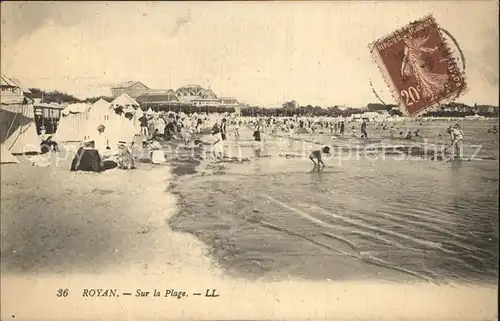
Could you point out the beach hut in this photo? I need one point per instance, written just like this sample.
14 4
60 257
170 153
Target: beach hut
17 119
74 123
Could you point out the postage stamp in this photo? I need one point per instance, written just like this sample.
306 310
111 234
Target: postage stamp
418 66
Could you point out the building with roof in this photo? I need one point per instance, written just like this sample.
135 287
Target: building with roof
12 92
158 98
228 102
186 96
18 132
132 88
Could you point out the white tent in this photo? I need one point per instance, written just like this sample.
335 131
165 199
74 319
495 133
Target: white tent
17 120
100 112
6 157
74 123
129 105
150 112
125 101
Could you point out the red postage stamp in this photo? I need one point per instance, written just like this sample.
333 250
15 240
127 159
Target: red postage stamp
418 67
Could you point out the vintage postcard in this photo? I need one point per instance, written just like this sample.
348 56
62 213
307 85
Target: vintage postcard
330 160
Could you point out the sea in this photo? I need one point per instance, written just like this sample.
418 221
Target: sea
381 201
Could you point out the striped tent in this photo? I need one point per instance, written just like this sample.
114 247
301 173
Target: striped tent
17 120
100 113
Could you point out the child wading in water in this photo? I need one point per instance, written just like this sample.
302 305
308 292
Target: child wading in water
317 155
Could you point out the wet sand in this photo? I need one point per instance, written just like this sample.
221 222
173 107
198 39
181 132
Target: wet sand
361 219
235 229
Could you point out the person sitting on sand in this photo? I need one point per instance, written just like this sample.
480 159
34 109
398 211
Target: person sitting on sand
157 136
317 155
48 144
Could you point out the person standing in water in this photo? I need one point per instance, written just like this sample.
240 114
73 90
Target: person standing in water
364 134
223 129
392 131
257 140
218 144
316 155
457 136
237 126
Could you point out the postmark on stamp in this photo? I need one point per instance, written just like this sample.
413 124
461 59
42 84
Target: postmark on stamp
419 67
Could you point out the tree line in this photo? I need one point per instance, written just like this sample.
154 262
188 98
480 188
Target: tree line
288 109
61 97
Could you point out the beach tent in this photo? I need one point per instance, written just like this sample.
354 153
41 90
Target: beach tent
17 119
6 157
125 101
100 112
150 112
129 105
74 123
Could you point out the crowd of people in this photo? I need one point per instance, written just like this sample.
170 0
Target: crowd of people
193 129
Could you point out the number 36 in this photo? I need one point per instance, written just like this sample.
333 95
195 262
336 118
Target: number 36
411 95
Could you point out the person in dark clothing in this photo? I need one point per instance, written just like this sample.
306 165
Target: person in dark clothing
199 122
144 125
87 159
169 131
48 145
364 134
257 140
223 129
342 128
156 135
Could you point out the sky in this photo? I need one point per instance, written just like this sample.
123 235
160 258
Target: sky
262 53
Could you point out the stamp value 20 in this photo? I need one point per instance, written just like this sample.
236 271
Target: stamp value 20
418 66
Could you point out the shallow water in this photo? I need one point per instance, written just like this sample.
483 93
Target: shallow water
433 220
